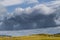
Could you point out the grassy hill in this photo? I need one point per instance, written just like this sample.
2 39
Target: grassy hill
34 37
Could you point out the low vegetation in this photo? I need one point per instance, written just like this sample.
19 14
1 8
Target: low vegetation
33 37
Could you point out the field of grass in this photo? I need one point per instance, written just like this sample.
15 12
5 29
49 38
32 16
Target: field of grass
33 37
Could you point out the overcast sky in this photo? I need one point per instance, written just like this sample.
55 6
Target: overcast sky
30 14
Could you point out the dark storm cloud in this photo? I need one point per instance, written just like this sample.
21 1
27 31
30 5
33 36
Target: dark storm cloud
31 22
29 18
39 16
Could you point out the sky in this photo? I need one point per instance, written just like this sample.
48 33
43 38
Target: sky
30 14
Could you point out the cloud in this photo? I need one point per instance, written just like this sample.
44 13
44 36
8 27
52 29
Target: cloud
56 6
31 1
42 9
11 2
53 30
39 16
3 12
15 2
30 32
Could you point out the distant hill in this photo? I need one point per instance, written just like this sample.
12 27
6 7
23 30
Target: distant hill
5 36
49 35
57 33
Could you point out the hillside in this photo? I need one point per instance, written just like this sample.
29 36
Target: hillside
33 37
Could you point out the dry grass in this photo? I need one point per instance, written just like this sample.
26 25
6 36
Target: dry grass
32 37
